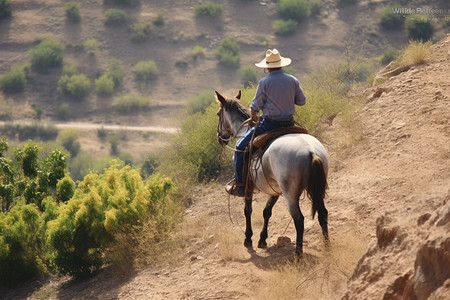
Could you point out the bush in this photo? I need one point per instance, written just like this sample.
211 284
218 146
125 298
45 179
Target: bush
131 102
248 76
72 11
346 2
200 102
91 46
159 20
103 208
104 85
415 53
389 55
63 111
419 28
48 54
197 51
13 81
65 189
284 28
116 71
69 70
37 130
115 17
20 255
293 9
69 139
326 95
76 86
208 9
5 9
389 20
146 71
140 31
228 53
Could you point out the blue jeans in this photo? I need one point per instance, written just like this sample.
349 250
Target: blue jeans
264 126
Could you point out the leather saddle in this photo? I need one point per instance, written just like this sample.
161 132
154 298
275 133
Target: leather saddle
267 137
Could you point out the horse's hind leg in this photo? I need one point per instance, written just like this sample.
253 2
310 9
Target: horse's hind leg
248 222
267 213
299 219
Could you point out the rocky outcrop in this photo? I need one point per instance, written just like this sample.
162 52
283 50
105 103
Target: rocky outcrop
406 261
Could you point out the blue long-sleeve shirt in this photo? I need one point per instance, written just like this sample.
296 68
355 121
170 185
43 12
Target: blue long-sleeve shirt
276 95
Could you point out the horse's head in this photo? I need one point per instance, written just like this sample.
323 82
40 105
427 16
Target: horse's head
231 115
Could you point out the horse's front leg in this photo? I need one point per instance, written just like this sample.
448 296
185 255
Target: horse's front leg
267 213
248 221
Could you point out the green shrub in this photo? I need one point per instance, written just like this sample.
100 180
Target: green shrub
389 20
91 46
419 28
159 20
76 86
123 2
13 81
208 9
81 165
102 208
181 64
65 189
104 85
248 76
346 2
197 51
63 111
146 71
69 139
116 71
140 31
389 55
326 95
5 9
293 9
228 52
314 7
131 102
20 255
72 11
284 28
115 17
36 130
69 70
200 102
47 54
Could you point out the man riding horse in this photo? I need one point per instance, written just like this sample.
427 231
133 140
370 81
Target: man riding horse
276 95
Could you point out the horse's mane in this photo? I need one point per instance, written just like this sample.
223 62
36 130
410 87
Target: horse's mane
236 105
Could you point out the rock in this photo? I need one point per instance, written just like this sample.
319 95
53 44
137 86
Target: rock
283 241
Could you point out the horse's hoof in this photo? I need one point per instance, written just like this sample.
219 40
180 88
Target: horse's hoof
248 243
262 244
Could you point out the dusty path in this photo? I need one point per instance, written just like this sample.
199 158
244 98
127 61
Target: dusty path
95 126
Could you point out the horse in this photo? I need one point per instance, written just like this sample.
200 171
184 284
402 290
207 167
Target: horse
293 163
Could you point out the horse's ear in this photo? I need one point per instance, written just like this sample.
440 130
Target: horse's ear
219 97
238 96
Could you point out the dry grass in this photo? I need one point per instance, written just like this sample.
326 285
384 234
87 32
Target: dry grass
316 277
415 53
229 243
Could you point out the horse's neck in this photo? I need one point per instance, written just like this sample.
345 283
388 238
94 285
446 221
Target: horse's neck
237 127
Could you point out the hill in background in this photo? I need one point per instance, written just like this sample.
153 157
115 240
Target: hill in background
337 33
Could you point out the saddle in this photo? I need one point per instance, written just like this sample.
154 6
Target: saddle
267 137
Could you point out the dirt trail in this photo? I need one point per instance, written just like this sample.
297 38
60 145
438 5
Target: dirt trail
399 168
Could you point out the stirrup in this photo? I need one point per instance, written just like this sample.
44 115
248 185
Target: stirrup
235 189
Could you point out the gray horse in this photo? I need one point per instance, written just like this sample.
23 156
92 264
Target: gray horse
291 164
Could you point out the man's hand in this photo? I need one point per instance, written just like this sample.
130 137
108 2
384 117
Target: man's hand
254 116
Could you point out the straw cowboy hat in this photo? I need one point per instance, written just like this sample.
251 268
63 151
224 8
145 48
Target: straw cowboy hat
273 60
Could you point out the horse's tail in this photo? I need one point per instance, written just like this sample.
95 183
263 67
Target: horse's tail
317 184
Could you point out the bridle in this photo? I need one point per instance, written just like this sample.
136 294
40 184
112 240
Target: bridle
224 139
